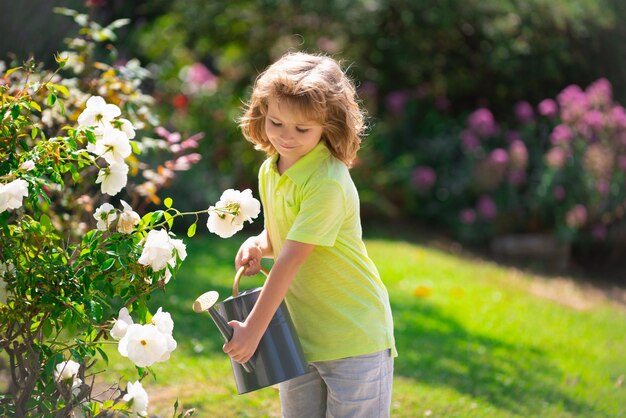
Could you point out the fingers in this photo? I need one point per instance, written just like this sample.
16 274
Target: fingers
250 257
239 351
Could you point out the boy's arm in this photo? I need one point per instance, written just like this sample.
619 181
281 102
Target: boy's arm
252 251
247 335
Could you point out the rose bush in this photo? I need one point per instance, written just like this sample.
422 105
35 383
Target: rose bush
71 274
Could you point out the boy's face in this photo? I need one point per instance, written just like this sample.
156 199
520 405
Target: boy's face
291 135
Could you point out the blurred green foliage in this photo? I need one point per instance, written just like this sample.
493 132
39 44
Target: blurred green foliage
421 67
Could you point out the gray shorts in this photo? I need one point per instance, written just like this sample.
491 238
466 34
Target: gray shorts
358 387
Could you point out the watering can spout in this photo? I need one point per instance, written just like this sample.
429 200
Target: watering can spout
206 302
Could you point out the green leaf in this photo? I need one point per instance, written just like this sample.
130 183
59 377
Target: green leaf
52 98
95 313
168 202
156 216
91 137
107 264
169 219
11 71
47 328
135 147
34 132
103 354
15 111
192 230
35 105
46 222
61 89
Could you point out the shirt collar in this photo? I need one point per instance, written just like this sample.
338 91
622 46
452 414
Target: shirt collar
305 166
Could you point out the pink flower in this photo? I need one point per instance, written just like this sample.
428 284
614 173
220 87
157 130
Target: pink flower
602 186
469 140
600 93
486 207
555 158
423 178
524 112
171 137
499 157
593 120
482 122
576 216
621 162
574 103
561 134
618 117
201 76
467 216
183 163
518 154
548 108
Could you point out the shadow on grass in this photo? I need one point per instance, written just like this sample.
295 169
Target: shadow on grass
436 350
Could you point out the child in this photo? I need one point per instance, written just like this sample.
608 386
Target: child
303 113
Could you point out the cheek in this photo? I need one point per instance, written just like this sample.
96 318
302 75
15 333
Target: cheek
270 130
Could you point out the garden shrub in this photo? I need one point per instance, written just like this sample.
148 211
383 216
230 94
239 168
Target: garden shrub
78 264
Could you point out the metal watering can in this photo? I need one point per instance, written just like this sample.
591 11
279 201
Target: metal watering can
278 357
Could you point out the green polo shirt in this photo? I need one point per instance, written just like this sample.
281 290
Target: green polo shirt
337 301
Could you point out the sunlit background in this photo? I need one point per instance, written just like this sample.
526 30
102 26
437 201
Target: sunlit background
457 135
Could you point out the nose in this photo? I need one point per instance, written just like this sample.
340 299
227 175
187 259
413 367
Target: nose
286 134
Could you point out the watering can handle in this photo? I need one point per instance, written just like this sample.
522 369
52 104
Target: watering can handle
240 273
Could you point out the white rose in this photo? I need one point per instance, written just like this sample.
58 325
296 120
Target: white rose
145 344
125 126
113 178
98 112
163 321
105 215
138 397
27 165
121 324
157 250
231 211
249 207
66 370
12 194
76 386
222 224
112 145
181 250
128 219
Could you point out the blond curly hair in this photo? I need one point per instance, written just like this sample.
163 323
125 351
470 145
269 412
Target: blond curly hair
319 90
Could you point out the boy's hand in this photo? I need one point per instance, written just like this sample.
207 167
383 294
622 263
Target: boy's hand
243 344
249 255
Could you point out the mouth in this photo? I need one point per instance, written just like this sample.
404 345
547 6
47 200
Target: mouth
287 146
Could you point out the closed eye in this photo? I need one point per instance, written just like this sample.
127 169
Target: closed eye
301 130
276 123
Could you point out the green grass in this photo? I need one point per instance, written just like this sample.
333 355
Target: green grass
474 340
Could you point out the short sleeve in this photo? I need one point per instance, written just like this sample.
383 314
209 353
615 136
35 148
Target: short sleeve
322 212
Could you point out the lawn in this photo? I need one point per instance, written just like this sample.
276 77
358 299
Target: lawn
475 339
